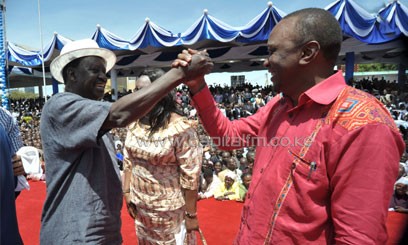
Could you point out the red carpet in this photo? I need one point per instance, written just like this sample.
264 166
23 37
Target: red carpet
219 220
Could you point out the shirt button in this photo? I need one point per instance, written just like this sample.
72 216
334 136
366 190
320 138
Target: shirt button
293 165
261 170
249 196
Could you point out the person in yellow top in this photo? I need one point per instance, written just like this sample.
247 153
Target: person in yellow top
229 190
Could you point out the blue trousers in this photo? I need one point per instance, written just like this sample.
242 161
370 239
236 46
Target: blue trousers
8 218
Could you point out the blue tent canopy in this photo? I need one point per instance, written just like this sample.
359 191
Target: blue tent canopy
236 48
394 19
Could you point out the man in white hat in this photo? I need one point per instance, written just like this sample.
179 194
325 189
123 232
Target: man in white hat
84 196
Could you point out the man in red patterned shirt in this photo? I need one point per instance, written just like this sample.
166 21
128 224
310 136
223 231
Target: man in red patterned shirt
327 154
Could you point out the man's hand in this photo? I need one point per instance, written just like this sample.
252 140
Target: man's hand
130 206
199 64
222 198
188 60
191 224
18 168
184 58
229 193
400 209
194 63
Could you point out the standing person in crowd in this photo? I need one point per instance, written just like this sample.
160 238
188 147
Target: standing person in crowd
84 195
326 154
10 167
141 82
163 159
119 153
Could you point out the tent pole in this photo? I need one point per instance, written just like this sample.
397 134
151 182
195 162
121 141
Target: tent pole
42 53
402 77
350 58
114 84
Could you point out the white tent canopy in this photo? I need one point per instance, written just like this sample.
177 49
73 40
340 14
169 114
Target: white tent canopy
379 37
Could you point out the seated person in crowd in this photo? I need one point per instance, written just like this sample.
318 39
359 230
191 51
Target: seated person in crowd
399 199
217 167
229 189
225 155
213 156
231 164
401 171
209 183
243 188
244 166
238 153
206 164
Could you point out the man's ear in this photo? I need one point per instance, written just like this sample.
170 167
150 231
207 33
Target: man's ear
309 52
70 74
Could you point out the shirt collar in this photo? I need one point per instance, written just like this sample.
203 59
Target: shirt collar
326 91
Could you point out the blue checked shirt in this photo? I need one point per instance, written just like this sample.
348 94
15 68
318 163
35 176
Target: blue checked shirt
11 127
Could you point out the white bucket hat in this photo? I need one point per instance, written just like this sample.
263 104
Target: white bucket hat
231 175
77 49
402 180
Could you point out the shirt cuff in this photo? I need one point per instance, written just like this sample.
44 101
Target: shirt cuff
203 99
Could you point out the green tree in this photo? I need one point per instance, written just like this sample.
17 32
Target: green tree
17 95
377 67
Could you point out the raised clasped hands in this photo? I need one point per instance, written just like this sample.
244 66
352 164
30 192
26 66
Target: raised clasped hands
195 65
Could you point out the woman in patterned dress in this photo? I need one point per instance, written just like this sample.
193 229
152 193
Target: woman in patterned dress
162 165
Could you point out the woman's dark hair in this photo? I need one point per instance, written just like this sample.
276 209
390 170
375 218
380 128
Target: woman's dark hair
159 116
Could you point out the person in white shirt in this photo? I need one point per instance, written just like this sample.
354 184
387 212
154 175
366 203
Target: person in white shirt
209 183
232 167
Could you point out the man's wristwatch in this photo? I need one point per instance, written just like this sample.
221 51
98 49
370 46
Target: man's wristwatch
190 215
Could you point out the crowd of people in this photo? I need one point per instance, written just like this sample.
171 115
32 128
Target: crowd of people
235 102
314 116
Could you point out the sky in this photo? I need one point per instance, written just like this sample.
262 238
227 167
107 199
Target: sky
77 19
